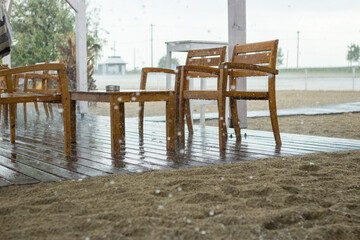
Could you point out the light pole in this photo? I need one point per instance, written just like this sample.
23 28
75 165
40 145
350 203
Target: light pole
297 56
152 49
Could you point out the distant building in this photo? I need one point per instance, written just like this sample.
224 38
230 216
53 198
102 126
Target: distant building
114 65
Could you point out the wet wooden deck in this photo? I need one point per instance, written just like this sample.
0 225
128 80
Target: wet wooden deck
38 155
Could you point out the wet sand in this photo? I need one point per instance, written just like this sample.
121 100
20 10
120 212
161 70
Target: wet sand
304 197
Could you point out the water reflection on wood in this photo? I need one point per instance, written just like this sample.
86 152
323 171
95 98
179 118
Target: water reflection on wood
38 155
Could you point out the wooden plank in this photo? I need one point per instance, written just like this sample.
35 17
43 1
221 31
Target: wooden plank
4 182
15 177
254 47
205 61
205 52
28 171
252 58
207 95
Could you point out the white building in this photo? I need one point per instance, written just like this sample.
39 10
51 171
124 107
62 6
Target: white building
114 65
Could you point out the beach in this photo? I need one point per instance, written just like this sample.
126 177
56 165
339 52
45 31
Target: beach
314 196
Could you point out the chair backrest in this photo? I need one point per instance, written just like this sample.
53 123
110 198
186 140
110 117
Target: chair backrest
261 53
61 79
41 83
3 80
211 57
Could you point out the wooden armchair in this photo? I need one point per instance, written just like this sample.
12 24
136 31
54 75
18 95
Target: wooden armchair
249 60
203 63
60 95
205 57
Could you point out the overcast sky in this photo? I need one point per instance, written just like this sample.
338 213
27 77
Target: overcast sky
326 27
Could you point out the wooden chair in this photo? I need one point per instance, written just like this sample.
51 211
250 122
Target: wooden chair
205 57
249 60
203 63
58 95
3 89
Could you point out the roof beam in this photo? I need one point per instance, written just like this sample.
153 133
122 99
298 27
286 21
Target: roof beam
74 4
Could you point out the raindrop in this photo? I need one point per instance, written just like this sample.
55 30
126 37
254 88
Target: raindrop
179 189
80 179
197 229
311 164
211 213
209 60
88 220
222 178
182 151
179 133
133 98
112 182
170 195
188 221
203 232
251 177
116 107
157 191
137 94
169 138
160 207
119 99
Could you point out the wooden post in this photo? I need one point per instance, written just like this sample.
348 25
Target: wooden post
237 35
81 54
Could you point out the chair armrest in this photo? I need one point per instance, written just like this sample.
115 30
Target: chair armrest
203 69
157 70
234 66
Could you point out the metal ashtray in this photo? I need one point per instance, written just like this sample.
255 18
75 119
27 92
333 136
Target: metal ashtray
112 88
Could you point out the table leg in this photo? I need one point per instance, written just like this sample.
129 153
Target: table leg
117 122
170 123
73 121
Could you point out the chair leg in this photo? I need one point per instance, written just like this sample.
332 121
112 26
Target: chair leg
141 118
235 118
222 123
12 110
24 111
188 117
274 119
181 114
46 109
50 110
37 108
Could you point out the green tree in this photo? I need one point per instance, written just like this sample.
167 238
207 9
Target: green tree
353 53
39 27
280 57
162 62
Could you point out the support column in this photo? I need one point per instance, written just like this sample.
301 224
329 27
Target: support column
237 35
81 52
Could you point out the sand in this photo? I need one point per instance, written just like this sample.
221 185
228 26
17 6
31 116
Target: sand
304 197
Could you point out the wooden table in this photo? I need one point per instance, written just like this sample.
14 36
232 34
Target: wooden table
117 111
